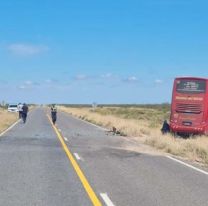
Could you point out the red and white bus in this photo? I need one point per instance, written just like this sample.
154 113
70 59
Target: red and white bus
189 107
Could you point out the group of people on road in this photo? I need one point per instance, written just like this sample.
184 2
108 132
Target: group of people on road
23 110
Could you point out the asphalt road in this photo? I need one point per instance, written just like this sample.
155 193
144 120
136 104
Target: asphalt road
35 170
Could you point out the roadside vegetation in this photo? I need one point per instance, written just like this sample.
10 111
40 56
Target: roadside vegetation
7 118
143 123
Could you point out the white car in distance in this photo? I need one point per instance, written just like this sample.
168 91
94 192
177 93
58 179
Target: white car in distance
13 108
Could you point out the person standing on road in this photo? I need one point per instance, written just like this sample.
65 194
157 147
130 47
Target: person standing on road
53 114
24 112
20 110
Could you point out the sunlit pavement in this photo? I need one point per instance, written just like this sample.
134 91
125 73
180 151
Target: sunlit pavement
36 169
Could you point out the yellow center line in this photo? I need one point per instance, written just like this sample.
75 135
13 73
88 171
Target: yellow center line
94 199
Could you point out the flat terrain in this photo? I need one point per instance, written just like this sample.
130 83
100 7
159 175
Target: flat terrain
7 118
142 124
36 171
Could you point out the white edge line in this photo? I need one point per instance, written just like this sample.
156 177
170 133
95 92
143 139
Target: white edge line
188 165
85 121
99 127
65 139
5 131
106 199
9 128
77 156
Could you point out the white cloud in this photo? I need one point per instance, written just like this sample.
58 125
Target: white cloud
28 82
131 79
22 87
106 76
158 81
81 77
48 81
26 49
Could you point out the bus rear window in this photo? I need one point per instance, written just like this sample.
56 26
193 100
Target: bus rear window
191 86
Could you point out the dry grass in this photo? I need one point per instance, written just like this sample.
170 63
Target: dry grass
195 149
6 119
145 123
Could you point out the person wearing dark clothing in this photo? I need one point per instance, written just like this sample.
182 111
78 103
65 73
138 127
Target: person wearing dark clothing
53 114
24 112
165 128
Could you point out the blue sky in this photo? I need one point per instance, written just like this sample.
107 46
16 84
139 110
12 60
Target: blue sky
120 51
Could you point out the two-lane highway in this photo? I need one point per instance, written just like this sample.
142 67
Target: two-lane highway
128 177
35 168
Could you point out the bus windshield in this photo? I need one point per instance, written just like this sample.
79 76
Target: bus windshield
191 86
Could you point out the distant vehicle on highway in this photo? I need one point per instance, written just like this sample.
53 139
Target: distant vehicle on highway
13 108
189 108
